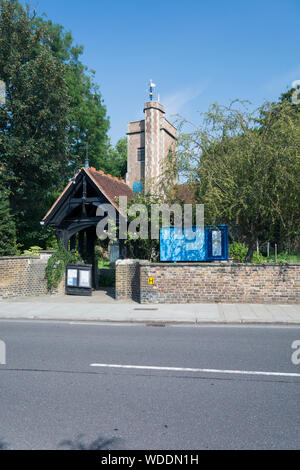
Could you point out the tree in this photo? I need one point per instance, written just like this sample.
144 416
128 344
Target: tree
34 119
247 169
7 228
53 109
89 123
116 163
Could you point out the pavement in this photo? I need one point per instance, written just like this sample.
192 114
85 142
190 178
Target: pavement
102 307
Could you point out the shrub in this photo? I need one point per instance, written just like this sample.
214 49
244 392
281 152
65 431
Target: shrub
56 266
32 251
258 258
238 251
8 245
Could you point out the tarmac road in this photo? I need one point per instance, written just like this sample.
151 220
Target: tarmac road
183 387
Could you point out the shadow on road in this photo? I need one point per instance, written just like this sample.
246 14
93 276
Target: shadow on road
100 443
3 445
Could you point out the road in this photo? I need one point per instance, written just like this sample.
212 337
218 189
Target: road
192 390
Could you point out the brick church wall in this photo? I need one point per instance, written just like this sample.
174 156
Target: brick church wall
22 276
209 282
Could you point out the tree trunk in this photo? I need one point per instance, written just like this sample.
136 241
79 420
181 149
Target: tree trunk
251 248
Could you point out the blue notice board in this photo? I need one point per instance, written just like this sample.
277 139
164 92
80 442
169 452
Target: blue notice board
194 243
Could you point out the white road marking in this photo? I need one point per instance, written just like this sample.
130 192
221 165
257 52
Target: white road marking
190 369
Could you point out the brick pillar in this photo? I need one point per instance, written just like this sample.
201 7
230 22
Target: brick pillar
127 280
154 111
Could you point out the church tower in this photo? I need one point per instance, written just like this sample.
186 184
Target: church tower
149 142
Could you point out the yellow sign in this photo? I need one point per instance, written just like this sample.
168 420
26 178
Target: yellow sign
151 280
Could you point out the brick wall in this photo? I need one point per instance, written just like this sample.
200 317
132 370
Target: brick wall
22 276
127 280
135 139
210 282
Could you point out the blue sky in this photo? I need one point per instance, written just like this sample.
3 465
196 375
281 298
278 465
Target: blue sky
197 52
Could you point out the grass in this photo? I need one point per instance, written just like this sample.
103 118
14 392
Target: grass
284 258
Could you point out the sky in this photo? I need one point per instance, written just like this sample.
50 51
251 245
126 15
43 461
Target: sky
197 52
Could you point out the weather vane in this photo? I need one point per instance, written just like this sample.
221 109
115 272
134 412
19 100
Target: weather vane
151 89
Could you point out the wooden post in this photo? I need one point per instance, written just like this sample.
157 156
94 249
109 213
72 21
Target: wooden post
91 240
275 252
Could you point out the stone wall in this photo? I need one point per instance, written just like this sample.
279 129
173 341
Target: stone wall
127 285
209 282
22 276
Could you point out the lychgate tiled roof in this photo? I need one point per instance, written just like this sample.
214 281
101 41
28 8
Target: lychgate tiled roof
111 187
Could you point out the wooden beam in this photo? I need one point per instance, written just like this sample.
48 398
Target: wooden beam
88 200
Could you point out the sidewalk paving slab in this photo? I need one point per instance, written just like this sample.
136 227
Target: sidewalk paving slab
71 308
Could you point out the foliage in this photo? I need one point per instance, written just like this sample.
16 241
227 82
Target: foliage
32 251
116 163
53 109
8 246
33 121
247 169
284 258
238 251
258 258
88 122
137 247
56 266
103 263
52 242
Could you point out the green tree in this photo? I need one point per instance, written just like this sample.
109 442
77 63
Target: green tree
33 120
53 109
247 169
7 228
88 121
116 163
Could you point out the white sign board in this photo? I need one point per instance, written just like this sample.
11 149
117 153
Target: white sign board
84 279
72 277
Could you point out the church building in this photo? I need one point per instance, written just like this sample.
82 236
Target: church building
149 142
73 216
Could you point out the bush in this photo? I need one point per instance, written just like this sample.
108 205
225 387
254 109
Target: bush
238 251
8 244
258 258
103 263
56 266
32 251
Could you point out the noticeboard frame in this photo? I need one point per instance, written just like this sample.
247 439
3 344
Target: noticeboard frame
76 288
